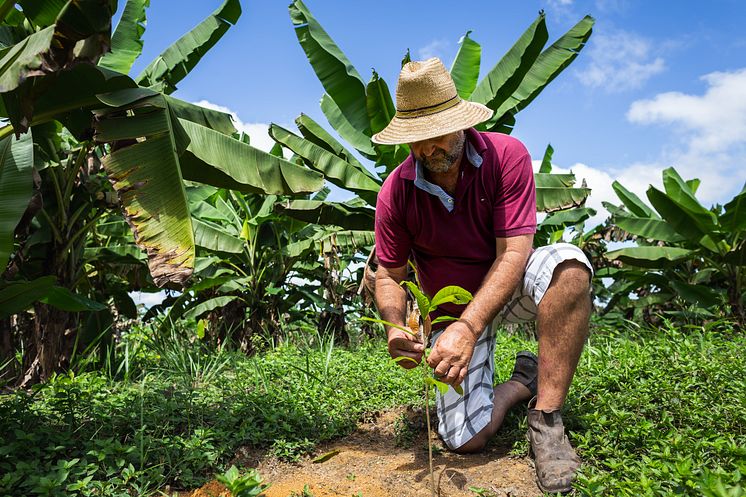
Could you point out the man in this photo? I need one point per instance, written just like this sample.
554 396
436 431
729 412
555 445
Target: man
463 208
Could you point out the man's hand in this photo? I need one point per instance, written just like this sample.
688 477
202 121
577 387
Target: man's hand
452 353
404 344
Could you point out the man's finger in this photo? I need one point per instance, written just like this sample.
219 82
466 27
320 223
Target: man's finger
403 344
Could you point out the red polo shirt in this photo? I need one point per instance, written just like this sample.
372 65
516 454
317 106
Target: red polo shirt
452 239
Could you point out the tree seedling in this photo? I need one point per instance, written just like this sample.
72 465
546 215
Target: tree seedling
248 484
420 325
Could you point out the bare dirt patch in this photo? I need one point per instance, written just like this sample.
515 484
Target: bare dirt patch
370 463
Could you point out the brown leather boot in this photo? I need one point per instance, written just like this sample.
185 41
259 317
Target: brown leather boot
554 457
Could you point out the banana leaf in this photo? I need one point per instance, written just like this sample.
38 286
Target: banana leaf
219 160
18 296
339 172
550 63
697 294
171 66
465 67
355 137
65 300
546 161
126 42
650 257
733 218
213 119
313 132
212 237
336 73
329 213
207 306
555 199
16 188
551 180
680 192
648 228
681 219
568 217
632 202
147 178
505 78
42 13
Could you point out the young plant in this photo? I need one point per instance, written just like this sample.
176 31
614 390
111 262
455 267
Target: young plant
248 484
420 325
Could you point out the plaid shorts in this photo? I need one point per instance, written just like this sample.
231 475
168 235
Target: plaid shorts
462 417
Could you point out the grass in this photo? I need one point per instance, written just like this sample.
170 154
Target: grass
652 412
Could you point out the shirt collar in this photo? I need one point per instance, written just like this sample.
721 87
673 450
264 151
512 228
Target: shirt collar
472 155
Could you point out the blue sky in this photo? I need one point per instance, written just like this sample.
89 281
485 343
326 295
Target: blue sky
660 83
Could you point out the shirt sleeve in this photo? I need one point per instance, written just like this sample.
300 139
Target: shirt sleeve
393 242
514 212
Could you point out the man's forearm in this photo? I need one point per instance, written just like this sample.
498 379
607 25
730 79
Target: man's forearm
497 288
391 301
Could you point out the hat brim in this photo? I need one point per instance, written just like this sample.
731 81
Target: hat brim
409 130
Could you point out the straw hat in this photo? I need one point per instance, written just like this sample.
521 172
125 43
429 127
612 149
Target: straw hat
427 105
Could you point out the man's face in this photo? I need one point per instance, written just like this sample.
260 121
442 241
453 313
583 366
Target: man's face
439 154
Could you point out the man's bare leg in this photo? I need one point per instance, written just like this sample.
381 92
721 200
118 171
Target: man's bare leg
507 395
563 327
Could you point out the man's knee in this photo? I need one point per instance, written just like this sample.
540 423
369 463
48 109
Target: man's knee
477 444
572 278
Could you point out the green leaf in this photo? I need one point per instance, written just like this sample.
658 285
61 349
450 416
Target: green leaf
42 13
126 42
148 180
213 119
554 199
220 160
389 324
733 218
505 78
680 192
339 78
546 161
650 257
442 387
552 180
465 67
213 237
314 133
201 325
16 297
401 358
443 319
65 300
358 139
207 306
347 216
451 294
632 202
379 104
423 302
697 294
16 188
171 66
648 228
550 63
568 217
680 219
339 172
26 57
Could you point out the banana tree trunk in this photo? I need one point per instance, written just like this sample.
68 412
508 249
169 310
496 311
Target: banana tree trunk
52 344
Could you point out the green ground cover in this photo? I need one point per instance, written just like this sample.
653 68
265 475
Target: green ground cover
652 412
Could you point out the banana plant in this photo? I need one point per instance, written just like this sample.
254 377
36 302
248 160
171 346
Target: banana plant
683 251
356 111
64 80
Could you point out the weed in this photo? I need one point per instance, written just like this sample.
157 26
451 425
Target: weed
305 493
291 451
248 484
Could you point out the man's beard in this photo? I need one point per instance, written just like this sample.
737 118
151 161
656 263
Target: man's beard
441 161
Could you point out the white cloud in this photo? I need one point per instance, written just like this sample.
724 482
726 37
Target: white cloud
636 179
711 132
620 61
258 132
436 48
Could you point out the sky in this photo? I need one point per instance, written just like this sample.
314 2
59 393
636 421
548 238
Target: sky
659 84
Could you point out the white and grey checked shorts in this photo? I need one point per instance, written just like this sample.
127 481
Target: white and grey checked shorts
462 417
